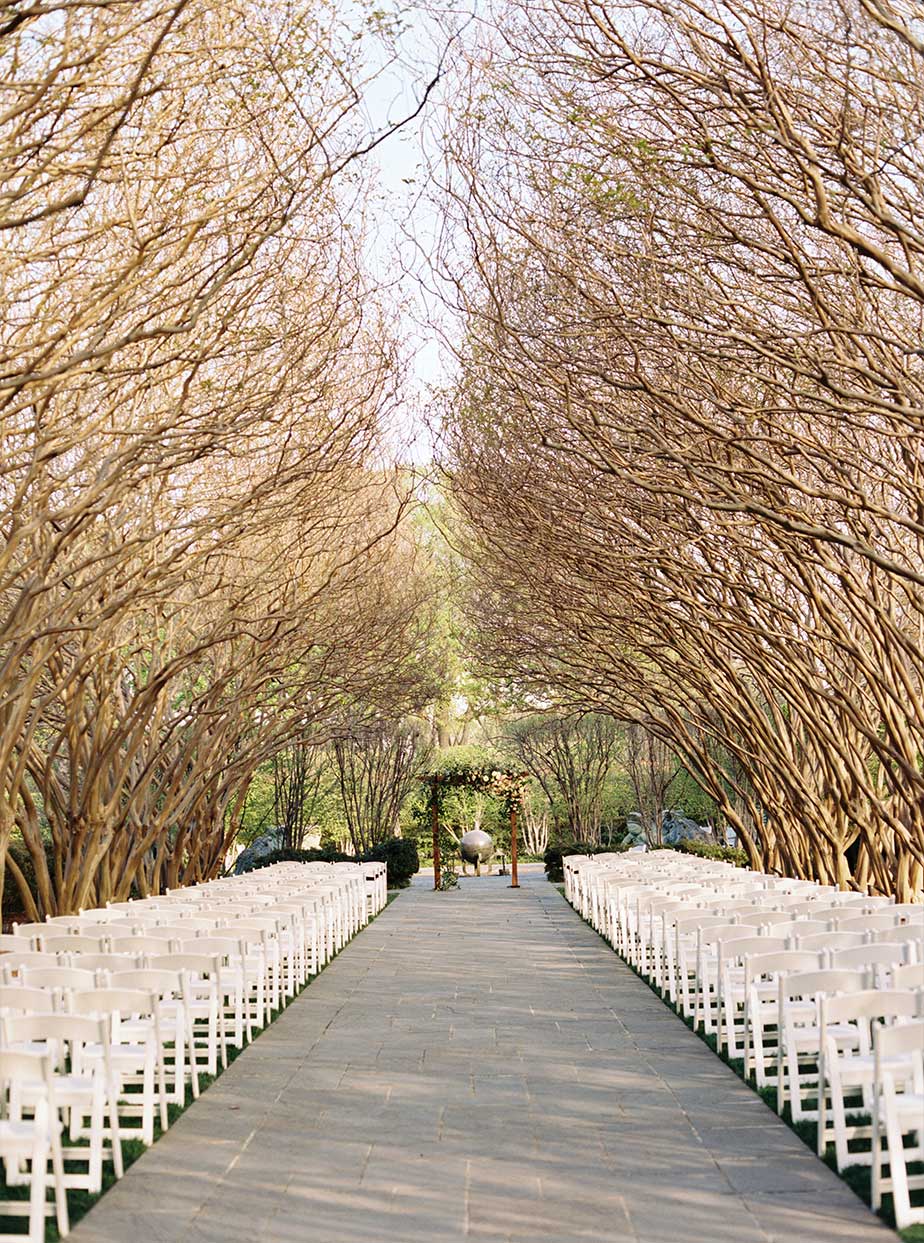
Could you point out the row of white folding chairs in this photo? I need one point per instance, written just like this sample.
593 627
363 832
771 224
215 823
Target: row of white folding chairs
72 1060
851 1057
341 893
593 884
341 889
817 1005
260 958
326 909
707 968
678 944
646 916
339 919
849 1054
368 891
208 997
633 910
103 1045
266 950
352 893
585 875
640 913
221 967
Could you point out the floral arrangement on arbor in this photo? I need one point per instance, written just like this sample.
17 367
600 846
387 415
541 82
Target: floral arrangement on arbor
491 777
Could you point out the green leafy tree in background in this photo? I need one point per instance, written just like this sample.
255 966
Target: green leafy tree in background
468 705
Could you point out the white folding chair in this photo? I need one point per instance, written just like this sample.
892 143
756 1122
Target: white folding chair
879 921
827 941
910 976
84 1086
898 1112
732 992
242 980
137 945
847 1065
706 987
173 992
205 998
107 962
799 1047
762 989
262 939
57 977
683 962
304 932
879 959
29 931
36 1139
72 944
13 964
135 1052
18 999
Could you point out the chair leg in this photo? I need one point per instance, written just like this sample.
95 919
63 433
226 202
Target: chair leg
193 1068
901 1195
822 1133
876 1191
795 1085
147 1107
39 1175
114 1130
97 1124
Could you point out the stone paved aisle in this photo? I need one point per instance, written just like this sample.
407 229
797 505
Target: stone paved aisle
479 1065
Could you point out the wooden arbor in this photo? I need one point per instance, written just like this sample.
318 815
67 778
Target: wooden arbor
503 783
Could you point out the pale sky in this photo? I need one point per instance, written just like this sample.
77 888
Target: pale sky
403 232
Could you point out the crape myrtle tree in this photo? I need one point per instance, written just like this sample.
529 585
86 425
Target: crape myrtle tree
686 440
379 763
302 779
203 551
654 771
570 757
138 782
535 824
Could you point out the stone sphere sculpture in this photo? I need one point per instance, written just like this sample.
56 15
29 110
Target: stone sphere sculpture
476 847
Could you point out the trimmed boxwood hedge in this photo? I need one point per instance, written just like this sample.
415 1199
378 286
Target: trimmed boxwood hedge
712 850
400 857
552 859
